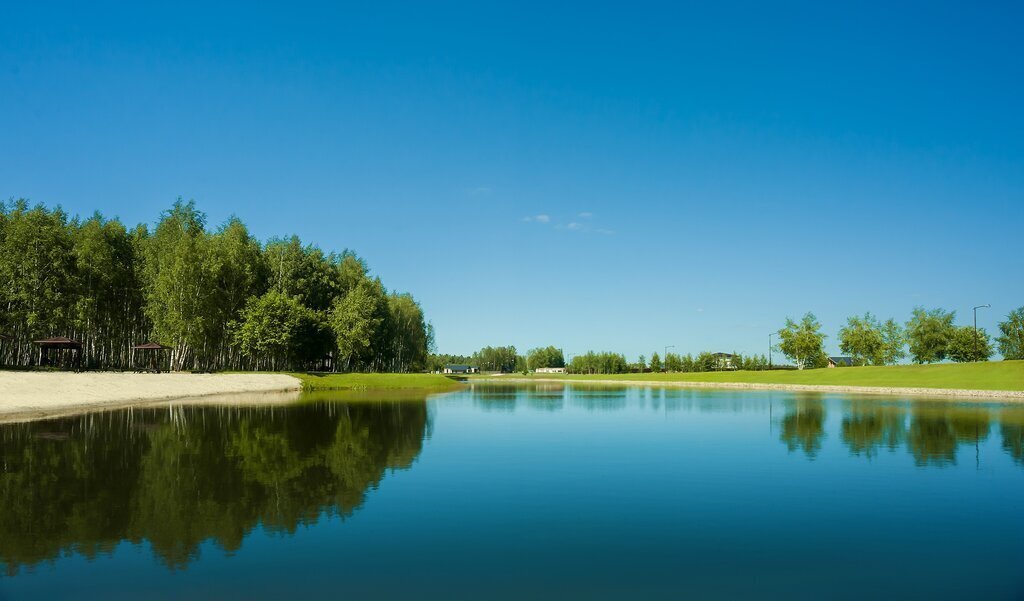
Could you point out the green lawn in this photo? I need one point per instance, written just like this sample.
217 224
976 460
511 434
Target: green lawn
374 381
992 375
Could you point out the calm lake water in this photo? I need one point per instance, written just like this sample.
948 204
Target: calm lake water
520 492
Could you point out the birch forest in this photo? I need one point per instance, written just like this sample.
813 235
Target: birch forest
218 298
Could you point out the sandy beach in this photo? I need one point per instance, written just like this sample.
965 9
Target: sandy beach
37 395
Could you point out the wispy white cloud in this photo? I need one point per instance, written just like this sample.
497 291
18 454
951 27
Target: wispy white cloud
582 225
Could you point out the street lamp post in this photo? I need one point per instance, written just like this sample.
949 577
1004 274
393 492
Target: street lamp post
986 306
665 356
770 350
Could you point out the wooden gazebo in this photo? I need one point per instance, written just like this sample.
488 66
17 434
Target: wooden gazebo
152 349
59 343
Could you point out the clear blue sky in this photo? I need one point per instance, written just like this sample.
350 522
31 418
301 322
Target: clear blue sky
590 175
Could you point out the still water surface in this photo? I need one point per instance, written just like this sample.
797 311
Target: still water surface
520 492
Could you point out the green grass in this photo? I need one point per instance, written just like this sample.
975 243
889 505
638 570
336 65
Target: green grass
375 381
992 375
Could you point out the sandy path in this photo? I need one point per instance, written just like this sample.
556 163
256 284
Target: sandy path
978 395
34 395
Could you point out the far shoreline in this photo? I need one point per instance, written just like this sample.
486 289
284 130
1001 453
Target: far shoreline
1011 396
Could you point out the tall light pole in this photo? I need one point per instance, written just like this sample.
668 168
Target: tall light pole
986 306
770 350
665 356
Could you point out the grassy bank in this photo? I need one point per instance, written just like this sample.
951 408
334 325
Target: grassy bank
993 375
312 382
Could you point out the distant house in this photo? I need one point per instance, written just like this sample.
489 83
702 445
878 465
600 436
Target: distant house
840 361
724 361
460 369
550 370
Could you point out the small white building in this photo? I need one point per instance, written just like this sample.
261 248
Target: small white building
549 370
460 369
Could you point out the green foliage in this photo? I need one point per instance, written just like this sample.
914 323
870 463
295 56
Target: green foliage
37 269
1011 338
673 362
928 334
355 320
656 362
437 361
803 342
870 343
705 361
404 341
600 363
179 274
755 363
496 358
967 345
219 299
545 357
279 332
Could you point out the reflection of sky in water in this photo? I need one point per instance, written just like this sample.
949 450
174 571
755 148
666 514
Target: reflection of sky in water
542 491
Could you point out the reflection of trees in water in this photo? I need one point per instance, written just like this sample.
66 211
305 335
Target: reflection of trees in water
495 397
970 424
931 438
938 430
803 425
178 477
1013 440
869 426
935 433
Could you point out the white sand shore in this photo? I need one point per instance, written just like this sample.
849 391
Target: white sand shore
35 395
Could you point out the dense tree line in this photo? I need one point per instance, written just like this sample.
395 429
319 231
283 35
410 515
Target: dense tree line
490 358
220 299
598 363
548 356
704 361
930 336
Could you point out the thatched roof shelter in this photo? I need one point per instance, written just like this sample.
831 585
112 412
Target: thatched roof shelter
59 343
151 348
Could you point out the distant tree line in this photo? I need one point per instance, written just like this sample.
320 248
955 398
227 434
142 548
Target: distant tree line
929 335
598 363
545 357
219 299
490 358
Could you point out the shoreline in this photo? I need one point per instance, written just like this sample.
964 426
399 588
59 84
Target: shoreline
1013 396
31 396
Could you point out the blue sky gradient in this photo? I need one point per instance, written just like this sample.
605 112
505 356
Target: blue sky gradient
595 176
